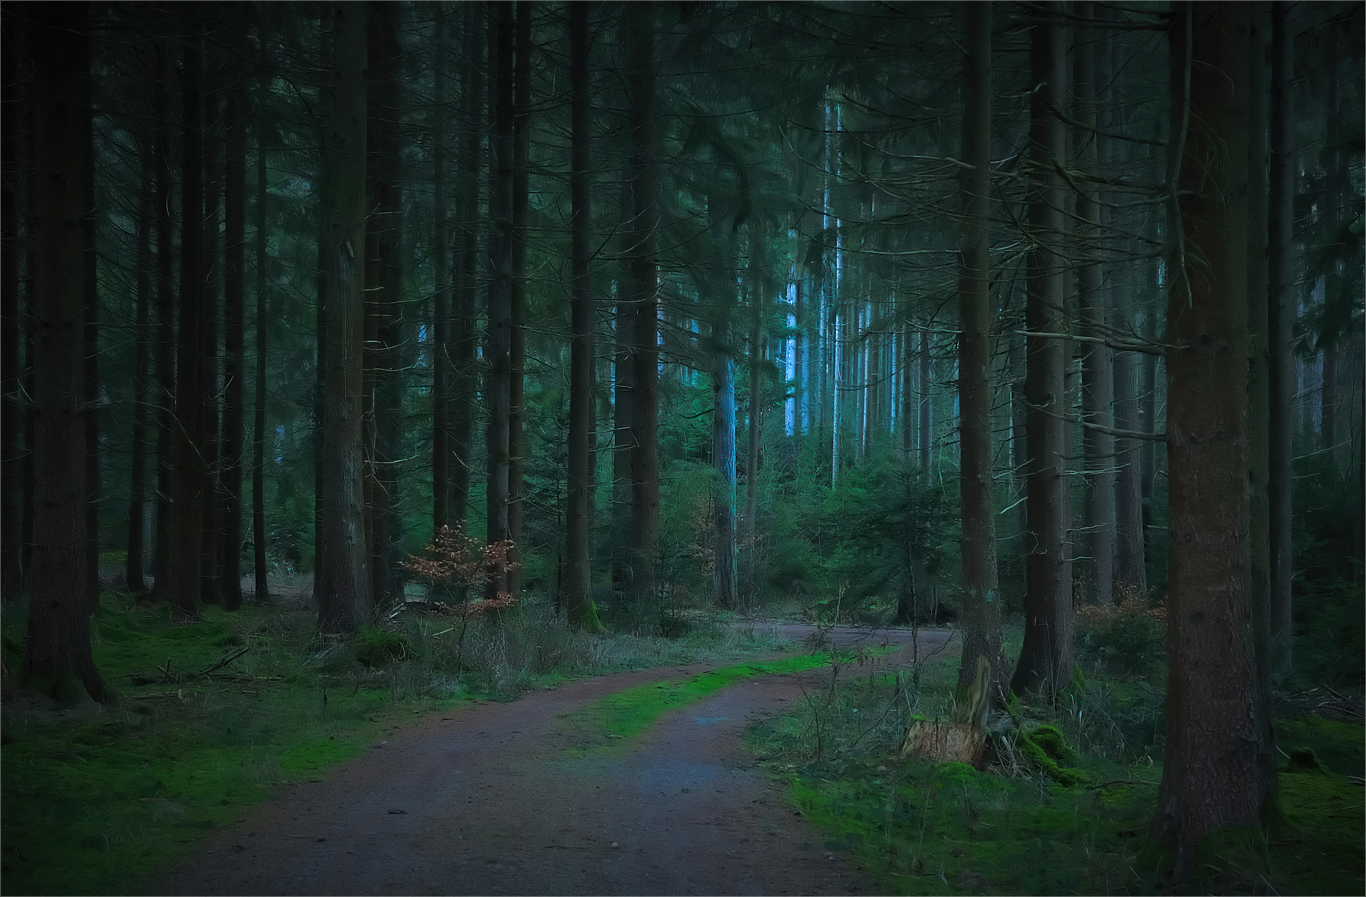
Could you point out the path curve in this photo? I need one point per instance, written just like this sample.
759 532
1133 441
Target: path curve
484 799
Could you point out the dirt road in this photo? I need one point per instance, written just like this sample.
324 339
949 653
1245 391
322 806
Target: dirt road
520 798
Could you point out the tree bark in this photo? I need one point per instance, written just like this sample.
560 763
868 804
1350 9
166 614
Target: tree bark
165 351
91 286
211 553
1098 445
137 479
342 589
578 534
57 658
1045 663
521 154
639 20
234 346
384 302
1210 776
441 296
498 348
1280 332
11 260
1259 407
258 443
464 333
188 475
982 637
723 406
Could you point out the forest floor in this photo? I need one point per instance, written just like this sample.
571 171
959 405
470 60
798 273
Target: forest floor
537 796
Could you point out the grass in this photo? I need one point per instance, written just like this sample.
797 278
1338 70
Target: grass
97 798
923 828
627 713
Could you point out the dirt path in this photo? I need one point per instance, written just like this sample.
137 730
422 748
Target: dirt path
488 799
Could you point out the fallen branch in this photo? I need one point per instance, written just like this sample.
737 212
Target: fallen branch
225 661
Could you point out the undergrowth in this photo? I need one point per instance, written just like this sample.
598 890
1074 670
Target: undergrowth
1074 820
96 798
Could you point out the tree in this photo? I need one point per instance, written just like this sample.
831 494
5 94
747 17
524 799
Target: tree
1097 390
981 595
1280 331
189 473
11 252
521 156
1210 777
258 439
234 346
643 326
137 479
578 548
498 348
57 658
722 364
342 589
1045 662
384 308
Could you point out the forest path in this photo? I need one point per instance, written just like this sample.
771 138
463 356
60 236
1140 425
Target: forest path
529 797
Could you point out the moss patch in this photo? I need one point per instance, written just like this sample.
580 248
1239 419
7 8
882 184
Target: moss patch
627 713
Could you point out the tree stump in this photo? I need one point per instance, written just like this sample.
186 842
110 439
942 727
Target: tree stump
940 741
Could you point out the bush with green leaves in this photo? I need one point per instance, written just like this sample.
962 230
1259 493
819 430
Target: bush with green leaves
897 538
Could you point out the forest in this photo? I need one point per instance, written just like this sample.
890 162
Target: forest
1038 322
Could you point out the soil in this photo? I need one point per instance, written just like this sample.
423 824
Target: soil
493 798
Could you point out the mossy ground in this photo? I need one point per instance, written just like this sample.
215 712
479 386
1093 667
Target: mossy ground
923 828
96 798
628 713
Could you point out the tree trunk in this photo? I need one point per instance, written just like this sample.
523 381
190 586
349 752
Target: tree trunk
464 333
384 302
57 658
342 589
1098 446
211 554
639 20
521 154
926 401
1045 663
11 260
188 476
441 296
90 269
137 480
234 349
723 406
498 348
981 596
578 542
1258 397
1280 332
165 352
258 443
1210 775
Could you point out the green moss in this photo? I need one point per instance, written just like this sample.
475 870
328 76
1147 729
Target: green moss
1337 746
379 647
921 828
1231 857
1325 851
1047 749
626 714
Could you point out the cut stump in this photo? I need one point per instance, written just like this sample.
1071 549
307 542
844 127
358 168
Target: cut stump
940 741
